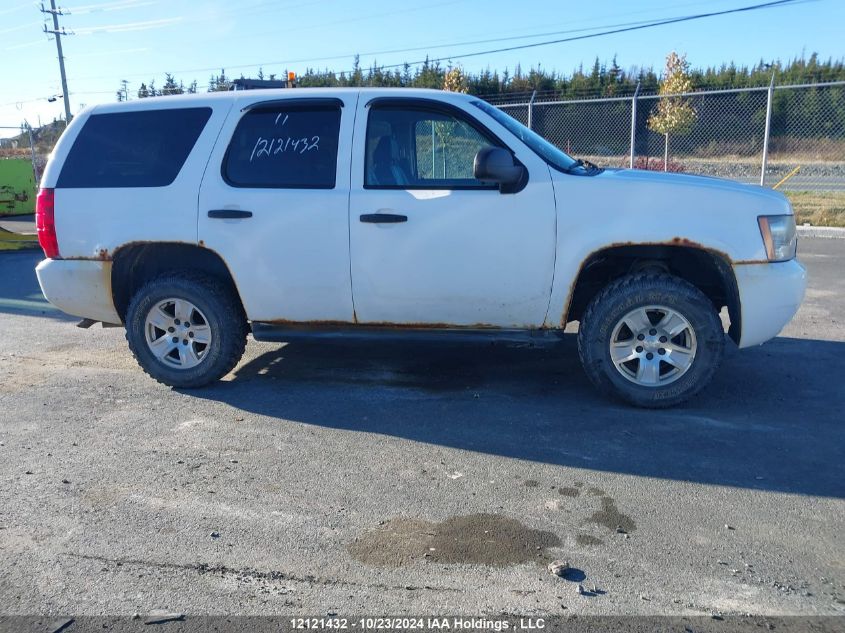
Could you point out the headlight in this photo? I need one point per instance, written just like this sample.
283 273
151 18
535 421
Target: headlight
779 236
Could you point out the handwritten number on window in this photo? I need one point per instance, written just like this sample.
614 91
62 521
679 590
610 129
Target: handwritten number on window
279 145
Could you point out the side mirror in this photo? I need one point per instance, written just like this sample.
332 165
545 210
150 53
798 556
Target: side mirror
494 164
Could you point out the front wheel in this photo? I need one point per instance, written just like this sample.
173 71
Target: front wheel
651 339
186 330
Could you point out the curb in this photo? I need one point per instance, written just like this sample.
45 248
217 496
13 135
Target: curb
822 231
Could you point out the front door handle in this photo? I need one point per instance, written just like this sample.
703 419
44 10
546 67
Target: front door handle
383 218
229 214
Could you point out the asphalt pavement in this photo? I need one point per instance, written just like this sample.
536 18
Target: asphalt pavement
24 224
360 478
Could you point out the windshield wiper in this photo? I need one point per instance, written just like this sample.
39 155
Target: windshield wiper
580 162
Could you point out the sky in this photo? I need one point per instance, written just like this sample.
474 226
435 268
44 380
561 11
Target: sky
140 40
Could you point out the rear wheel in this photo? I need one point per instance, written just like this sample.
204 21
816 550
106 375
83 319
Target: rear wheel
651 339
186 330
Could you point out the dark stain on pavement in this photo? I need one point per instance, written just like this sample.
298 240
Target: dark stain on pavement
610 517
480 539
588 539
531 483
569 492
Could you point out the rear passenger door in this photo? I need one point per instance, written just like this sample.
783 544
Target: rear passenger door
274 202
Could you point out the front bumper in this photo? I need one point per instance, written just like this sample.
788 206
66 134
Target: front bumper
769 296
79 287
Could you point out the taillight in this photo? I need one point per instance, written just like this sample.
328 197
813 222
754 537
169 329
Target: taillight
45 222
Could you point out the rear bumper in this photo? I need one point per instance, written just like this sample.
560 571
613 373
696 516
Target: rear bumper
769 295
79 287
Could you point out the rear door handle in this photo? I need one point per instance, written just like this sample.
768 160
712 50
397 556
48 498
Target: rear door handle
383 218
229 214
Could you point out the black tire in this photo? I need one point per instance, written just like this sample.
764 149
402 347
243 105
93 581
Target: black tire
222 311
621 297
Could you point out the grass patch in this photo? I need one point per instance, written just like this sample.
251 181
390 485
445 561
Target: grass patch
15 242
819 208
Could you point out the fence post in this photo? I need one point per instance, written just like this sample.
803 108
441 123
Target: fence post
768 129
32 152
531 110
633 125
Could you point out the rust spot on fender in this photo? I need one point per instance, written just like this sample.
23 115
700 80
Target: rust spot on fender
102 256
103 253
152 243
676 241
683 241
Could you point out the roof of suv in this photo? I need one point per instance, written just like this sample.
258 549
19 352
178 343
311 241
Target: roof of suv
251 96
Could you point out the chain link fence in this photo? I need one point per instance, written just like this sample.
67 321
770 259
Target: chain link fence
788 137
727 137
791 137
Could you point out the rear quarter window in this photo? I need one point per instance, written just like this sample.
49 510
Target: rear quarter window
133 149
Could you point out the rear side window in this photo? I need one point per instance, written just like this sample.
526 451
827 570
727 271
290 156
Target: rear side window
286 146
133 149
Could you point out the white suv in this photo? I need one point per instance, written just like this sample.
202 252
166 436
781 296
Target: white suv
194 220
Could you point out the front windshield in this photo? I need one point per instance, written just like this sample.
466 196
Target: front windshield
548 152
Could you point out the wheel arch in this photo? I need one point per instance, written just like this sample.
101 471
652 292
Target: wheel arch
135 263
708 270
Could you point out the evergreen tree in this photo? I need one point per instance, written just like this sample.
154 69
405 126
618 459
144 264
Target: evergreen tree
601 79
170 86
123 91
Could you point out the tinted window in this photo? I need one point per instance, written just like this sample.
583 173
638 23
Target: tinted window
421 149
285 146
133 149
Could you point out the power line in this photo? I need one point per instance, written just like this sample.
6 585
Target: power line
17 8
688 18
368 53
623 28
634 27
20 27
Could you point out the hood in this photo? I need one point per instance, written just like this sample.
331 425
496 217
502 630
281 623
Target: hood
639 178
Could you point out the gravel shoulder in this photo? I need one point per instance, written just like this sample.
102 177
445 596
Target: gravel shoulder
399 478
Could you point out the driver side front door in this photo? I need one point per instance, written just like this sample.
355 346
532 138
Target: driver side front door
430 245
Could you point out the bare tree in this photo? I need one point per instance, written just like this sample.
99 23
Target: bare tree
673 114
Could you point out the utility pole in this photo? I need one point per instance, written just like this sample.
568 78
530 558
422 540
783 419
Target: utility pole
58 32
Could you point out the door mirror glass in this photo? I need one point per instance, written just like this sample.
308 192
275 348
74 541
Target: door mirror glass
494 164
